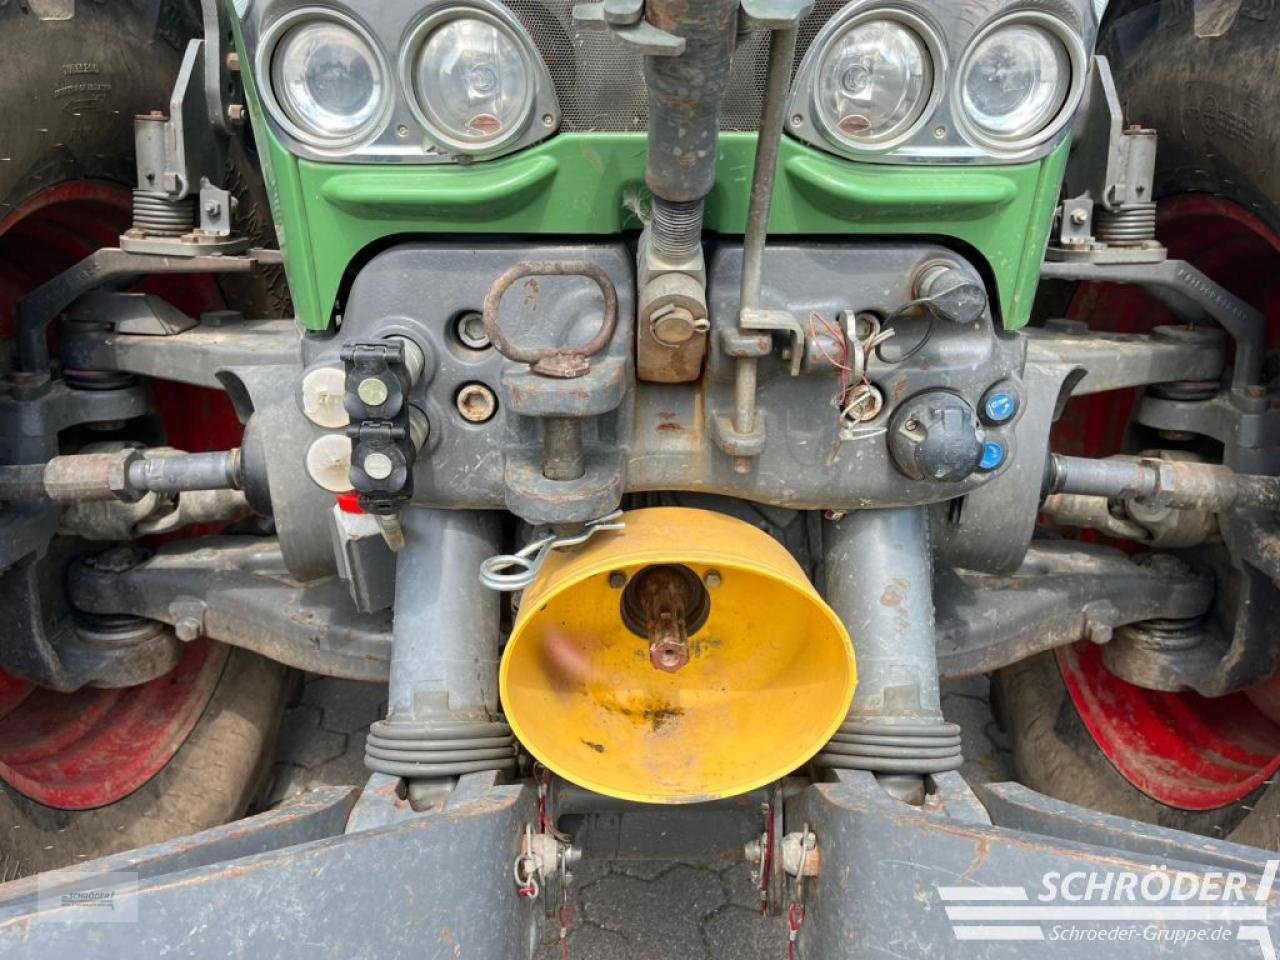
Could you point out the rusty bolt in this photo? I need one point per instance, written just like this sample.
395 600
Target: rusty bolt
476 403
188 629
864 403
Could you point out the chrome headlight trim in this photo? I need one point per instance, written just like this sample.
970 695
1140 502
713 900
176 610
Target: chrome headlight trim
539 101
265 76
806 83
1077 58
400 137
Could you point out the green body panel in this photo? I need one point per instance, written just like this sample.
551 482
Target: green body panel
587 184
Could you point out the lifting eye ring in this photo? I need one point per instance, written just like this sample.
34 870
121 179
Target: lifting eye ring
561 362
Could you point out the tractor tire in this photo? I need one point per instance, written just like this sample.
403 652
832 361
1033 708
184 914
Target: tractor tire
69 89
218 771
1054 753
1211 89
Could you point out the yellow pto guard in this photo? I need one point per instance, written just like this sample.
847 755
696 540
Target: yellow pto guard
681 659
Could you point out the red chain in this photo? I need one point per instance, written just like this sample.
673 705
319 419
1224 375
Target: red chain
795 917
566 920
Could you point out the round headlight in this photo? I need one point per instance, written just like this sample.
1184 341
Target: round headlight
328 81
1015 81
873 82
473 80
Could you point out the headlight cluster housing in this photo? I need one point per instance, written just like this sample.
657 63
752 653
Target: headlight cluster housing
896 81
461 79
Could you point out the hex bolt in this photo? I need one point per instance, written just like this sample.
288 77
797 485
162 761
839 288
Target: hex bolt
378 466
212 208
233 62
1100 633
864 403
1079 216
470 330
188 629
712 579
372 391
236 113
617 579
476 403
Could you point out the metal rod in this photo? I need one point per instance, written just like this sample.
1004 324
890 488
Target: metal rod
563 454
188 471
1171 483
782 52
120 475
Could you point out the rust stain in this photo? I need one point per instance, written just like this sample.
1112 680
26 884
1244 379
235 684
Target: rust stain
597 747
895 592
670 427
533 292
656 713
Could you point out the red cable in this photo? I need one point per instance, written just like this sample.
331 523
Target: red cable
795 917
841 361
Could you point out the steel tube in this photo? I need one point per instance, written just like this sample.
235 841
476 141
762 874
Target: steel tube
563 455
444 654
880 582
684 96
1171 483
188 471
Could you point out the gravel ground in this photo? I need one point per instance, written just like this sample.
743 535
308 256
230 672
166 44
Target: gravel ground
626 909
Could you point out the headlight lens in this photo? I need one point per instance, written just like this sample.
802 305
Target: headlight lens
873 82
328 81
474 81
1015 82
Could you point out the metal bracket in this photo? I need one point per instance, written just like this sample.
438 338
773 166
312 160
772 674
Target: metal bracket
638 33
1112 167
773 14
1189 292
40 307
783 320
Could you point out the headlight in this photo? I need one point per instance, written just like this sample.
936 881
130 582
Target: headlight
873 82
1017 78
472 78
327 80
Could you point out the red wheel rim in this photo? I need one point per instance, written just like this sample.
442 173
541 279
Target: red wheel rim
93 747
81 750
1181 749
